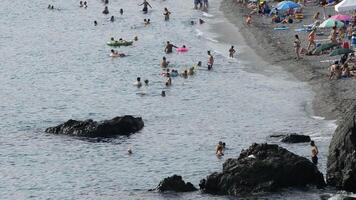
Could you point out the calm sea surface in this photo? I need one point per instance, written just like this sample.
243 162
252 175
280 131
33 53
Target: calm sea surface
55 66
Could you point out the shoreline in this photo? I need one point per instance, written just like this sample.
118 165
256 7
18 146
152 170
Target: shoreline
330 100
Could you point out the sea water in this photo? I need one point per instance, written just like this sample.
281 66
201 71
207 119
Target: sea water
55 66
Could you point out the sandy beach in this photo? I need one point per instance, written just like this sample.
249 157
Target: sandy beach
332 98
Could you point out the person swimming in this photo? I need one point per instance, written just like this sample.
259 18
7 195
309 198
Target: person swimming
121 11
85 4
315 152
116 54
166 14
192 22
95 23
138 82
219 149
112 19
106 2
164 62
163 93
145 6
169 80
146 82
136 38
81 4
146 21
106 10
231 52
201 21
169 47
185 74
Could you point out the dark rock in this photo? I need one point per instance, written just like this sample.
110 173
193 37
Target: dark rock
295 138
176 184
341 166
117 126
262 168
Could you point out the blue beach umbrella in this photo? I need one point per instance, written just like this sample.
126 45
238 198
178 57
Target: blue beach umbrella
286 5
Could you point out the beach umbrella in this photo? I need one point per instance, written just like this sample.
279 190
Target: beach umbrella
286 5
329 23
346 5
324 47
340 51
341 17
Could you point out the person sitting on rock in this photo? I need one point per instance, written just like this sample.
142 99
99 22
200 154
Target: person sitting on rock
314 152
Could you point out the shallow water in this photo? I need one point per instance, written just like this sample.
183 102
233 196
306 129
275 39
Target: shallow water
56 65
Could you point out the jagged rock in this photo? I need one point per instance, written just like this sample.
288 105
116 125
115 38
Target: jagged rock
262 167
175 183
341 166
295 138
117 126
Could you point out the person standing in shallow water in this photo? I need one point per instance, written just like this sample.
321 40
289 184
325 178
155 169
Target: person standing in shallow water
169 47
210 61
231 52
145 6
166 14
315 152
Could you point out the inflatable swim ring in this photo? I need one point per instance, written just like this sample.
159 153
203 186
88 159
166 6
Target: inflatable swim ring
118 43
182 49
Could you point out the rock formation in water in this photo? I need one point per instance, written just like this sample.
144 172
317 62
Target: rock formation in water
341 166
109 128
262 168
295 138
175 183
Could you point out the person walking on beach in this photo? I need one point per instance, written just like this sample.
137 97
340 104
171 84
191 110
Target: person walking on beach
169 47
311 40
297 44
166 14
210 61
145 6
248 19
231 52
315 152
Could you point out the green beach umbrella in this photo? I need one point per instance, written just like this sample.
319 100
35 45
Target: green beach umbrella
329 23
324 47
340 51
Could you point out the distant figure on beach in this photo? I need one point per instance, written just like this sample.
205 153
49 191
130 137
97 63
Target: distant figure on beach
166 14
231 52
219 151
314 152
164 62
145 6
121 11
169 47
106 10
333 35
316 16
138 82
297 45
248 19
210 61
95 23
311 40
112 19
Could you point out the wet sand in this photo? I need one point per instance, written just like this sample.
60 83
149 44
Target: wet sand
332 98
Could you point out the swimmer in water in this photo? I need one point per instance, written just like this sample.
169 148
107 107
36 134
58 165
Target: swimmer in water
219 149
315 152
191 71
166 14
106 2
192 23
129 150
210 61
112 19
163 93
164 62
106 10
135 38
146 21
231 52
169 80
121 11
145 6
116 54
146 82
169 47
201 21
138 82
95 23
185 74
81 4
85 4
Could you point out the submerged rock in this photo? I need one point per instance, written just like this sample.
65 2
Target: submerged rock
295 138
175 183
341 166
262 168
117 126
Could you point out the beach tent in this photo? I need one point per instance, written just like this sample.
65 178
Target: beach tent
286 5
346 5
329 23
